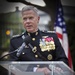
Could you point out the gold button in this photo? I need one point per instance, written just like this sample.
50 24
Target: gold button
36 56
49 57
23 53
33 39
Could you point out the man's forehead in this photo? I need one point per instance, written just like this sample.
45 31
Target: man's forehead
28 12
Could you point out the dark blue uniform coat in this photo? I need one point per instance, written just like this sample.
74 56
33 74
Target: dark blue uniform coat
46 47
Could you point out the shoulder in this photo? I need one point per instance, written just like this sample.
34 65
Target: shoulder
14 38
18 36
48 32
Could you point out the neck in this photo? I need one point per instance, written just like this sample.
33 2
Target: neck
33 31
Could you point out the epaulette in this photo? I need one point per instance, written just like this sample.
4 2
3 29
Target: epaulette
15 36
51 31
48 31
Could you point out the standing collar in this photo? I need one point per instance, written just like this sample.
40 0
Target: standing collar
33 34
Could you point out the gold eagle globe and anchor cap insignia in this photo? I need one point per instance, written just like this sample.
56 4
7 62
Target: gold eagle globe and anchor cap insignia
47 44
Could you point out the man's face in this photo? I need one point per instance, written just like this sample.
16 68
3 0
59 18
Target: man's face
30 21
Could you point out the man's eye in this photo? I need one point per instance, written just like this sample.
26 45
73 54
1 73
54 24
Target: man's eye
31 18
24 18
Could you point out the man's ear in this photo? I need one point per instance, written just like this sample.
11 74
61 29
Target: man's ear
38 18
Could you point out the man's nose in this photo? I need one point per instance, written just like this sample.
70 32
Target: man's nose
27 20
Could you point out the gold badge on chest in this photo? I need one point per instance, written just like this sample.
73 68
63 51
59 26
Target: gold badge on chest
49 57
47 44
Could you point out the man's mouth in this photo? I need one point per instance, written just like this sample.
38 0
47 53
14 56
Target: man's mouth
29 26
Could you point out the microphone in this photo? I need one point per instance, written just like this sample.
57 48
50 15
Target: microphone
19 50
26 40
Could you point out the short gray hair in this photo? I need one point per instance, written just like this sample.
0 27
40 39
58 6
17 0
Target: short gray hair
26 8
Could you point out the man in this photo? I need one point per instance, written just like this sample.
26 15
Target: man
45 45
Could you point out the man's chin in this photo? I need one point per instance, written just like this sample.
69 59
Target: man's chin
30 31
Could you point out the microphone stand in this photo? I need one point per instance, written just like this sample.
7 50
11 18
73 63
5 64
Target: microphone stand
7 54
19 50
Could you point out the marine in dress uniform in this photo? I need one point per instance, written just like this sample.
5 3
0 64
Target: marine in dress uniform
46 47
